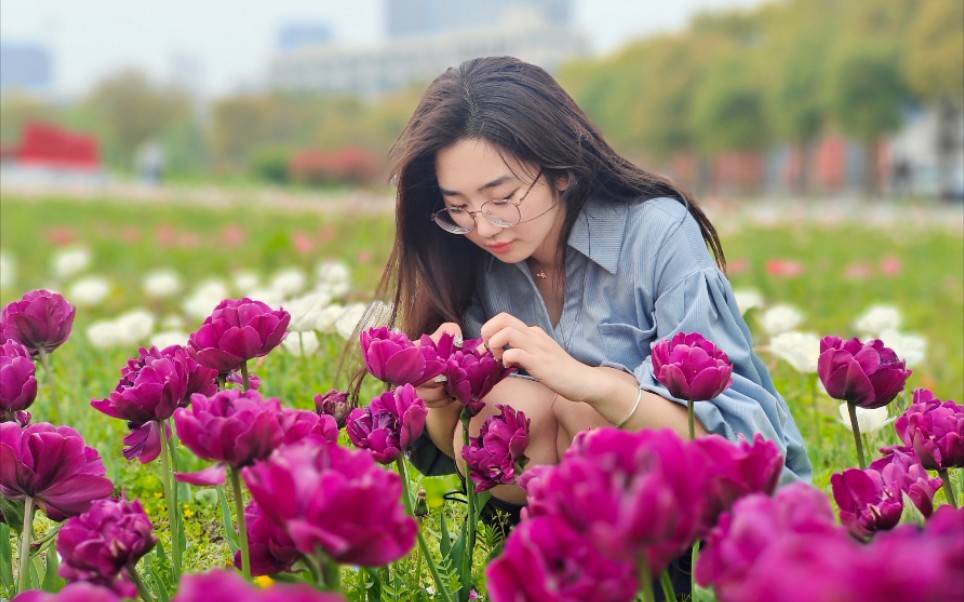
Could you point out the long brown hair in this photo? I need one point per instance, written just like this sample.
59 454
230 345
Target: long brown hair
520 109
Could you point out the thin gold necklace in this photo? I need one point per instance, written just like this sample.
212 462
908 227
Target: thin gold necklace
540 271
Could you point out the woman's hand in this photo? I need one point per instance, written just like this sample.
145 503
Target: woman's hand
433 393
535 351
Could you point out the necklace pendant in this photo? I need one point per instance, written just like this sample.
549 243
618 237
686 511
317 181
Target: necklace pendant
541 274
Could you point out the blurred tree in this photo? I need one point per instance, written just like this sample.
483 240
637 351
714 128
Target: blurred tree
935 72
18 109
134 110
865 93
728 108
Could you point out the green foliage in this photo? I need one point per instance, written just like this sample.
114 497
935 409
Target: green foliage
728 110
935 51
866 89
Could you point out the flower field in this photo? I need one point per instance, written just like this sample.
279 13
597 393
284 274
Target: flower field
142 273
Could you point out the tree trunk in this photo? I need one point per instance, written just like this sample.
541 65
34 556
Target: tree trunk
870 169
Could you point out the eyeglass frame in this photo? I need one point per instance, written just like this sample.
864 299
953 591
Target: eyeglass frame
475 220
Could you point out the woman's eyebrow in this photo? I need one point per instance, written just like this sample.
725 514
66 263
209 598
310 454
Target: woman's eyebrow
488 185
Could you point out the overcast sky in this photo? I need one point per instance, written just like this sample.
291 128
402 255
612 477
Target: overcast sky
230 40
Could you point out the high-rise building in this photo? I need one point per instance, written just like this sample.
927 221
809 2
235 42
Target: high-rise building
297 35
405 18
25 67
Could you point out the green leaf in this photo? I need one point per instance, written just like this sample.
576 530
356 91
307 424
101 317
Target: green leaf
12 513
230 534
52 582
6 558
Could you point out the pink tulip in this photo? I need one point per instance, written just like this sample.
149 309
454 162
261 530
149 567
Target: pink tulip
691 367
935 430
868 374
391 357
41 321
497 455
228 586
18 380
237 331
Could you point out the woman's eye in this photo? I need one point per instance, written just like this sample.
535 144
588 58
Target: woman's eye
456 209
504 201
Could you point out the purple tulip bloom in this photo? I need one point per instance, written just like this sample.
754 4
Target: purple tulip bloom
236 378
52 465
736 470
298 424
236 331
867 504
391 357
228 586
42 320
335 404
390 424
232 427
935 430
865 374
755 525
471 375
628 492
691 367
333 498
18 379
73 592
497 455
271 550
901 466
100 545
544 559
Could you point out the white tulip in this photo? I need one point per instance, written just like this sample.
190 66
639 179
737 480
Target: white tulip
868 421
328 316
909 347
88 291
166 338
800 349
245 280
172 322
297 342
204 298
8 270
306 310
780 318
105 334
70 262
138 324
335 275
747 299
877 319
268 296
350 319
162 283
288 282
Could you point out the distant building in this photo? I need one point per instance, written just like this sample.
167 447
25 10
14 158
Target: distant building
406 18
525 32
25 67
298 35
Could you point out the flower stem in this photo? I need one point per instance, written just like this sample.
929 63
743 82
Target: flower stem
691 418
45 362
470 520
142 589
948 487
25 542
245 383
170 492
694 556
852 408
669 593
645 580
242 527
440 585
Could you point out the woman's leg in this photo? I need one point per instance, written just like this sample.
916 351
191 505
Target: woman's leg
535 401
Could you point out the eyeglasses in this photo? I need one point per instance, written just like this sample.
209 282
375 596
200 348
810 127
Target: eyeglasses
502 213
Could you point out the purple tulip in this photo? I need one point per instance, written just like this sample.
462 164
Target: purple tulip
18 379
73 592
628 492
391 357
935 430
272 551
335 404
901 466
298 424
100 545
755 525
867 504
52 465
390 424
471 375
236 331
497 455
232 427
228 586
544 559
691 367
333 498
236 378
868 374
737 470
41 321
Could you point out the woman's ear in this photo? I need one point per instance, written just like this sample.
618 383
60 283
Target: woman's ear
562 183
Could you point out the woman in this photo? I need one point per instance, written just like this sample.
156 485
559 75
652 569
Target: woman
517 223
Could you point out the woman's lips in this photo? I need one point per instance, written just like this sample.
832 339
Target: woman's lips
500 248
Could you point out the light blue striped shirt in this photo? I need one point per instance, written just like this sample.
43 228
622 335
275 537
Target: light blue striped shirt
637 273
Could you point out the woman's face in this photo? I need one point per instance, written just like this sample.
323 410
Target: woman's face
472 172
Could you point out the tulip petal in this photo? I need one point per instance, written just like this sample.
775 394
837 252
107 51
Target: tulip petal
212 475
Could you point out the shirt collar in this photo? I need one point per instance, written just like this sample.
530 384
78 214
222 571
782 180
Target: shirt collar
599 232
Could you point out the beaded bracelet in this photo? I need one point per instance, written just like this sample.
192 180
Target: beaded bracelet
632 412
